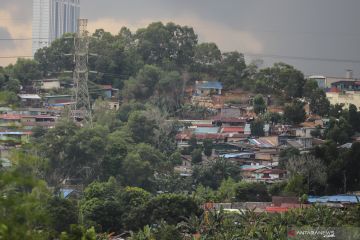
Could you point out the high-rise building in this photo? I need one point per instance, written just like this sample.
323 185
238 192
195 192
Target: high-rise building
51 19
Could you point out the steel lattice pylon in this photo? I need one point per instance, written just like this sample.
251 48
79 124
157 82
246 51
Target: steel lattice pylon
81 107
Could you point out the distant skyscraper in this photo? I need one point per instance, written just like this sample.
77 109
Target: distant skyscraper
51 19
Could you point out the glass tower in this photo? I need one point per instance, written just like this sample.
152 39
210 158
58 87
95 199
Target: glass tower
51 19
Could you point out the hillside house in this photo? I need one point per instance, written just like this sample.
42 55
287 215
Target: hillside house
58 100
30 100
268 175
47 84
205 88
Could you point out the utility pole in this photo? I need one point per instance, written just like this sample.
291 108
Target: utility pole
81 108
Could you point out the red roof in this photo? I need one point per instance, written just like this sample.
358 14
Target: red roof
277 209
272 171
213 136
334 90
229 119
10 116
232 130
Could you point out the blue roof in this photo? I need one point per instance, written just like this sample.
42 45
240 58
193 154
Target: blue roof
203 130
210 85
66 192
335 198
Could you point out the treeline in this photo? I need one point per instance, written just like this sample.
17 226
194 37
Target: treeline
158 62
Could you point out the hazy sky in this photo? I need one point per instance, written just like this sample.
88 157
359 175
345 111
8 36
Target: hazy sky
325 29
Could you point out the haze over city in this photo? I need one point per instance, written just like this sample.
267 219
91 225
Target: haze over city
318 37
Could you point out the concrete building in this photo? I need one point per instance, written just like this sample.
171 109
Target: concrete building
51 19
346 98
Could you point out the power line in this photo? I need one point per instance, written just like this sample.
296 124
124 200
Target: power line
16 56
20 39
318 59
303 58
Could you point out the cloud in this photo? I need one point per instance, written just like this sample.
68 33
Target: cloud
227 38
14 29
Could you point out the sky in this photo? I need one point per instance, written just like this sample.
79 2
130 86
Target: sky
315 36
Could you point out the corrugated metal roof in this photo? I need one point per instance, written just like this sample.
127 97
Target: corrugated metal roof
29 96
236 155
335 198
202 130
210 85
232 130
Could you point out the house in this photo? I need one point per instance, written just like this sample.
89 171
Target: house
205 88
247 129
30 100
304 131
301 143
346 98
232 130
10 120
114 105
235 137
229 121
246 171
14 138
346 85
108 91
239 155
268 175
58 100
47 84
46 121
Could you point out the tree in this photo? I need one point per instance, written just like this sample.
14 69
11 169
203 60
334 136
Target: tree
309 87
213 173
296 185
23 213
232 70
133 201
172 208
282 79
141 127
192 143
143 85
252 192
286 154
294 113
257 128
196 156
117 147
25 70
338 131
354 117
62 214
137 171
319 104
8 98
272 117
100 207
259 104
227 190
310 168
127 108
166 45
208 147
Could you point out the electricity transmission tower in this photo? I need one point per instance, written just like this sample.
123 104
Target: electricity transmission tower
82 107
